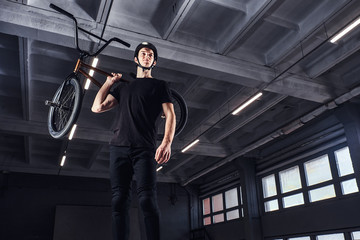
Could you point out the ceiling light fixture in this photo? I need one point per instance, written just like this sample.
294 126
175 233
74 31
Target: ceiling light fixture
247 103
91 73
72 131
63 161
190 145
346 30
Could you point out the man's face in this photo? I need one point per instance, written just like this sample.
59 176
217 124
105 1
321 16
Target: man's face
146 57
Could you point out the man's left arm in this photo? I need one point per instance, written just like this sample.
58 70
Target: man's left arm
163 152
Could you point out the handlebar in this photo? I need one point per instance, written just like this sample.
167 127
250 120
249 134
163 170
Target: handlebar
107 42
62 11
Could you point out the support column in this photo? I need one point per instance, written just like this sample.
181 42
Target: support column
252 223
194 207
349 116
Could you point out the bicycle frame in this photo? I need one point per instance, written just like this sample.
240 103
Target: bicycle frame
78 69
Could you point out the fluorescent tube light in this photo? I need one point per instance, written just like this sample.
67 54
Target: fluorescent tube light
91 73
346 30
72 131
190 145
159 168
247 103
63 161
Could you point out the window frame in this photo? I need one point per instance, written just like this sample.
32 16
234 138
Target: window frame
336 181
225 210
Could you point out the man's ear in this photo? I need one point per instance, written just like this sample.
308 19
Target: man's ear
154 63
136 60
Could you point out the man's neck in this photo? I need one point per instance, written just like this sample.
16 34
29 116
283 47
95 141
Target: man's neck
143 73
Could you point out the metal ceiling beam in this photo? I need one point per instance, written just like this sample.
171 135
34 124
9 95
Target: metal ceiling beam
282 22
47 26
175 21
246 118
335 54
23 127
256 10
308 27
236 5
31 128
168 170
217 112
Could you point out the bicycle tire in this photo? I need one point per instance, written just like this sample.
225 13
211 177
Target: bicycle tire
181 112
68 99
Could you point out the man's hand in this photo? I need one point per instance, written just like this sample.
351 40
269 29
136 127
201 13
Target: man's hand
115 78
163 153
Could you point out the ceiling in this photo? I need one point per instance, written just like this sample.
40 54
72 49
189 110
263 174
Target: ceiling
216 53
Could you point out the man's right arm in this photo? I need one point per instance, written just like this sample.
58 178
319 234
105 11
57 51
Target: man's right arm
103 100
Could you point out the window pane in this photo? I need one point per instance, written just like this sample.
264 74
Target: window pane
272 205
336 236
343 162
293 200
232 214
317 170
349 186
322 193
217 203
299 238
218 218
241 198
355 235
207 221
231 198
269 186
290 179
206 206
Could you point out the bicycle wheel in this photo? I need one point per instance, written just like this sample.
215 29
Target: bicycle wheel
65 107
181 113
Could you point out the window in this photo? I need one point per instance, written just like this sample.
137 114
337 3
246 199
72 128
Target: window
269 186
317 170
231 198
316 178
345 168
293 200
335 236
206 206
272 205
218 218
327 236
343 162
349 186
217 203
299 238
355 235
224 206
322 193
290 179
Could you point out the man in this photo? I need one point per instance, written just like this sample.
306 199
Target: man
132 148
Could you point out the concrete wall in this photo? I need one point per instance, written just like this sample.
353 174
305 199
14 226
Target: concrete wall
59 207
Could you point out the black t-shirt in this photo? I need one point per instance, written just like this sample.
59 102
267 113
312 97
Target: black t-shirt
140 105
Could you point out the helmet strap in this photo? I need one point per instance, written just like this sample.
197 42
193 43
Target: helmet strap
145 68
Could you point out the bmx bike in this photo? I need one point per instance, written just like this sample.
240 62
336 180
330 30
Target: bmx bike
65 106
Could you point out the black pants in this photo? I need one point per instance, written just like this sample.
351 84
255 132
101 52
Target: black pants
124 163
